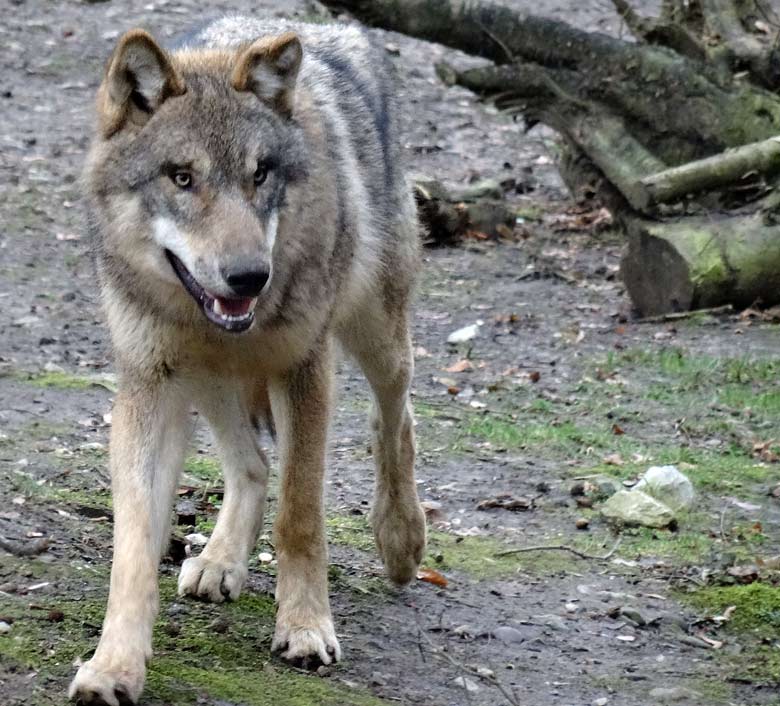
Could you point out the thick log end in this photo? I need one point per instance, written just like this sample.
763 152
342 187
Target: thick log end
656 276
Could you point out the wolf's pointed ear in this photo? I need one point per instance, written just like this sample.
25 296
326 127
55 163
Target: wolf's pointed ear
268 68
139 77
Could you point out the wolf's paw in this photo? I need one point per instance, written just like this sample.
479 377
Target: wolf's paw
211 580
307 645
399 531
107 684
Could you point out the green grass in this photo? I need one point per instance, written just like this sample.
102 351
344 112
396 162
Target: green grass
474 556
203 468
234 665
67 381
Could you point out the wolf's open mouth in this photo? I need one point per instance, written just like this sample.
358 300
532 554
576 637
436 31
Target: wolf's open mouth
233 314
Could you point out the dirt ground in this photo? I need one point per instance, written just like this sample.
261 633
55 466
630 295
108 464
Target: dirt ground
560 383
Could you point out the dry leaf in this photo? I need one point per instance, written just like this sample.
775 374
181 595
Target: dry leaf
617 431
715 644
432 576
534 376
460 367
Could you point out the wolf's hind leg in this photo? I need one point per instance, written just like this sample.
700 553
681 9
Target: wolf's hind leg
148 438
380 342
220 571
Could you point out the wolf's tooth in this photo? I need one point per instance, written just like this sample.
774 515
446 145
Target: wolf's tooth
218 310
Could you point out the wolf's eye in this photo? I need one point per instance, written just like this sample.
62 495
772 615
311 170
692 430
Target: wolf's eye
182 179
261 173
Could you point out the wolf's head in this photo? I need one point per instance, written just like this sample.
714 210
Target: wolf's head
189 173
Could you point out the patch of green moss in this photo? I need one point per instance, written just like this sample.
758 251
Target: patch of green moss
757 607
755 623
30 488
190 661
67 381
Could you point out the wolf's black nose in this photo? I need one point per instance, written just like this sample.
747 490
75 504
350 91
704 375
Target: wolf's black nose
247 283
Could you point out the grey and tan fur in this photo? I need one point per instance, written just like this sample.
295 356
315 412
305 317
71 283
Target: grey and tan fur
250 214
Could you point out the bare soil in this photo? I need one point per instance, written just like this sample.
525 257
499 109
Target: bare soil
561 383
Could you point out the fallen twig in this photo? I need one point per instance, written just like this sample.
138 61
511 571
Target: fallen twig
561 548
33 548
492 680
677 315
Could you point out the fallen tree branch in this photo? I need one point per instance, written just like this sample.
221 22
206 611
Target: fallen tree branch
679 315
37 546
709 173
561 548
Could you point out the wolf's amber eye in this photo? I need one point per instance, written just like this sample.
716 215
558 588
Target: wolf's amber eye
261 173
182 179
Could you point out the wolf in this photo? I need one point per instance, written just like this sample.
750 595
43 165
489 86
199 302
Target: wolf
250 217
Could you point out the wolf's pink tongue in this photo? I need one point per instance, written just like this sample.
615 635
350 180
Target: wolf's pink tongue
234 307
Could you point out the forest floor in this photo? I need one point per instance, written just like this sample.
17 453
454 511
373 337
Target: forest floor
561 383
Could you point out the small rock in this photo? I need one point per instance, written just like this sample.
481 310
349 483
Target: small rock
219 624
265 557
508 635
633 507
582 523
323 671
378 679
466 683
603 701
673 694
556 622
744 574
463 334
392 49
4 627
570 607
667 485
196 539
633 615
55 616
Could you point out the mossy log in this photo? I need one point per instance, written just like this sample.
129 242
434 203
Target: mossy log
698 262
684 111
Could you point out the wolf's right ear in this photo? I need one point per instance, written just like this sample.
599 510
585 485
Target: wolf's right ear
269 67
139 77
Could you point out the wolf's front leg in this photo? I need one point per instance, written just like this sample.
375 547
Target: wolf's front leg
220 571
300 403
148 438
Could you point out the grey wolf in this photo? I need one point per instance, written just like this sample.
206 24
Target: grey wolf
250 214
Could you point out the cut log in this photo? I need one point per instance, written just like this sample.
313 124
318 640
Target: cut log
699 262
